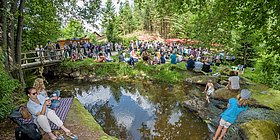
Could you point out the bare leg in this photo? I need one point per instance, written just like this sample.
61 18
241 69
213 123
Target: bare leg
218 132
223 133
207 98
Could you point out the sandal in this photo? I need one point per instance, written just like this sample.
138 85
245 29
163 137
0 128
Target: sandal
72 136
59 135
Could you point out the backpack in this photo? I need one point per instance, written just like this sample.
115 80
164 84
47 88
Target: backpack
28 132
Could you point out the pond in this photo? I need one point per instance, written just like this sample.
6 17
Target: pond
139 110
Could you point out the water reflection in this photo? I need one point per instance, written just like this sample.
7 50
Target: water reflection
141 111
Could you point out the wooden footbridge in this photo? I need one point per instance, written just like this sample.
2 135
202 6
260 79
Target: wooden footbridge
36 59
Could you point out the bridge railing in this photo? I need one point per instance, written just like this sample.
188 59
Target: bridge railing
41 56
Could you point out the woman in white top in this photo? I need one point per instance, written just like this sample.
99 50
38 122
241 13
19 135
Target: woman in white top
233 81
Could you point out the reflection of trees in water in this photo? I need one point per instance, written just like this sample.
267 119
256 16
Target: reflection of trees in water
116 91
105 117
181 129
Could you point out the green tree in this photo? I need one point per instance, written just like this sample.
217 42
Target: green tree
73 29
109 21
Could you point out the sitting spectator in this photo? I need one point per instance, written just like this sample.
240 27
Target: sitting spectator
198 66
233 81
37 106
173 58
145 55
40 87
218 62
180 58
121 58
89 54
206 67
101 58
156 61
81 56
162 59
74 56
241 68
109 58
190 63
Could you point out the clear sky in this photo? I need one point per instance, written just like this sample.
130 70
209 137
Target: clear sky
117 7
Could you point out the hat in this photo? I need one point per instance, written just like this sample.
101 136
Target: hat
245 94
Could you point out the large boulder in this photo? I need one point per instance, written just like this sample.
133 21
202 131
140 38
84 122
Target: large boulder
203 79
224 94
261 130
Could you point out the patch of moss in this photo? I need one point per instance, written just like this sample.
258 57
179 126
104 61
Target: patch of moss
86 119
261 130
271 98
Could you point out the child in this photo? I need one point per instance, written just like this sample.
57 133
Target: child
55 100
229 116
209 90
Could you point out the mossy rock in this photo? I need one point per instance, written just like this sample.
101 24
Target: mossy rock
224 94
203 79
261 130
225 71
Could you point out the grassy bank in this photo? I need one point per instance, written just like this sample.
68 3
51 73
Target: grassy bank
163 73
81 122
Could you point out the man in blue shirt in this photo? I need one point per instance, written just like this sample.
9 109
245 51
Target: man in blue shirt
229 116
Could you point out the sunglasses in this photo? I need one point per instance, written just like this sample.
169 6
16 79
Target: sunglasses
34 93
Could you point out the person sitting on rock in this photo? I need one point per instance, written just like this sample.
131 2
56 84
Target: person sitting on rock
229 116
233 81
209 90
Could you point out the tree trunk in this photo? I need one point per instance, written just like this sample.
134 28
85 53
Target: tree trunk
19 33
11 36
18 43
3 29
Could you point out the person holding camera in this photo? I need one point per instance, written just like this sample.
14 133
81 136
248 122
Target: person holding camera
37 106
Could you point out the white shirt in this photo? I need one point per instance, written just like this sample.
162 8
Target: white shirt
234 82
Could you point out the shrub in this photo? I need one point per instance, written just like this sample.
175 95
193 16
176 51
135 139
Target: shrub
269 69
7 87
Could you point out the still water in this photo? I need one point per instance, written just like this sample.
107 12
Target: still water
139 110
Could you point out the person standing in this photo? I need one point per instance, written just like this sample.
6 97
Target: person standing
229 116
